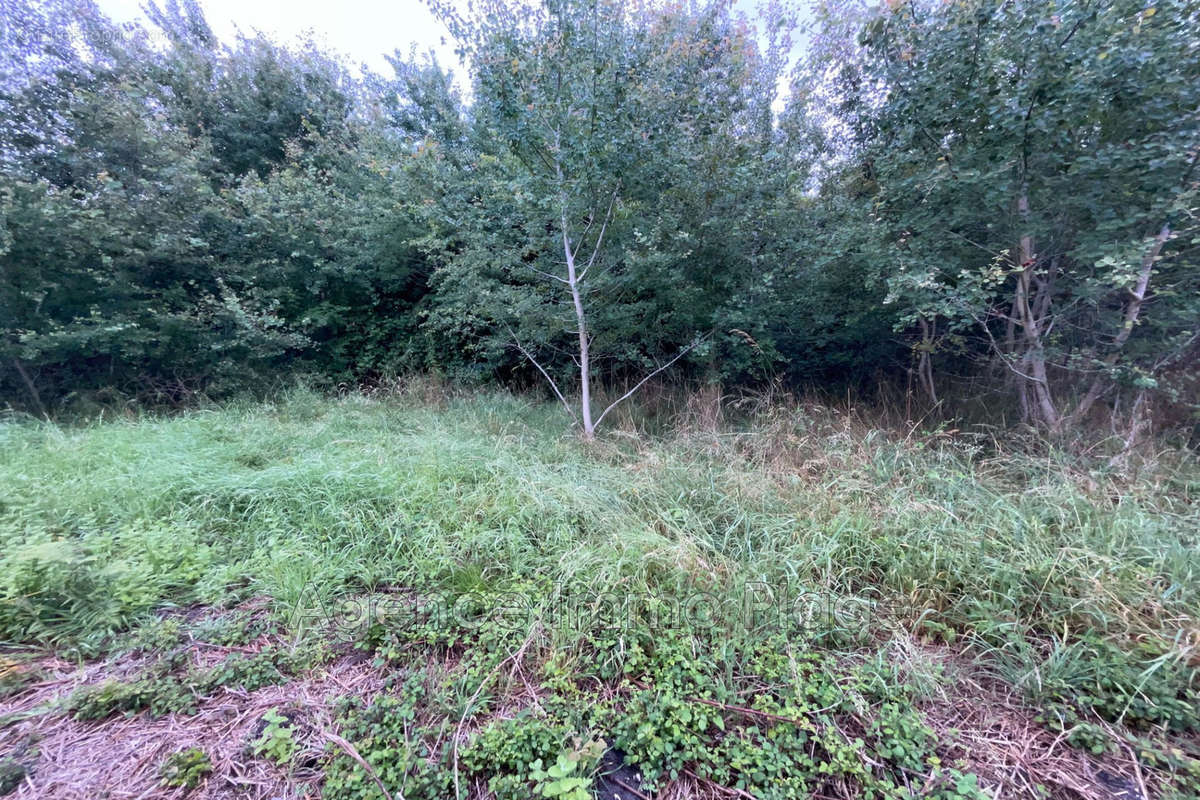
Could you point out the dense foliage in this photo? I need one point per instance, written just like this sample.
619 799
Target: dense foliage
1003 192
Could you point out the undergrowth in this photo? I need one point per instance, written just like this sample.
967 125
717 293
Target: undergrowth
722 602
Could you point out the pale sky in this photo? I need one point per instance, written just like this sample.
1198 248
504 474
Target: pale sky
363 30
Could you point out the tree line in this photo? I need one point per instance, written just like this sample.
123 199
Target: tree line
942 196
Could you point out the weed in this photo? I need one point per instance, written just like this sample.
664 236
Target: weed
1183 768
159 696
277 742
232 630
156 636
566 778
392 740
168 685
248 672
1138 688
185 768
12 774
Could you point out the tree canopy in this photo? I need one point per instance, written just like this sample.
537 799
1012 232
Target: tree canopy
931 195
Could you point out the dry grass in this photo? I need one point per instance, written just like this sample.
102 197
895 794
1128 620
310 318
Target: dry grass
988 725
119 758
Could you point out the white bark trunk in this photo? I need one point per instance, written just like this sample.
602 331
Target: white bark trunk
585 383
1132 311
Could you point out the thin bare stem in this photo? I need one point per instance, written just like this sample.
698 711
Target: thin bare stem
548 275
639 384
546 375
600 238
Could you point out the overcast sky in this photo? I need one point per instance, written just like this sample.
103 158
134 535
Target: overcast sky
363 30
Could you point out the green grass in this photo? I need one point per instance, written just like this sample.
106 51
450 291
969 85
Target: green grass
1078 587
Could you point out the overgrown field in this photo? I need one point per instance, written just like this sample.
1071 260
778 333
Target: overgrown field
430 597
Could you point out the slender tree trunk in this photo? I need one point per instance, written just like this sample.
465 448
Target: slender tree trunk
1138 422
925 364
575 284
1132 310
908 393
29 386
585 383
573 281
1022 389
1033 381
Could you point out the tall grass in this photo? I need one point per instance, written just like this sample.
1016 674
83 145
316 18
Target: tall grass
299 500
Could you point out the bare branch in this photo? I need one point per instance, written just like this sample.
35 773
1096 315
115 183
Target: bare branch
600 238
639 384
546 375
582 236
973 243
1007 360
548 275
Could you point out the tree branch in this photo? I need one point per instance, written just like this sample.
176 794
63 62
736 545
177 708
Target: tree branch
600 238
30 387
546 375
548 275
1132 310
639 384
